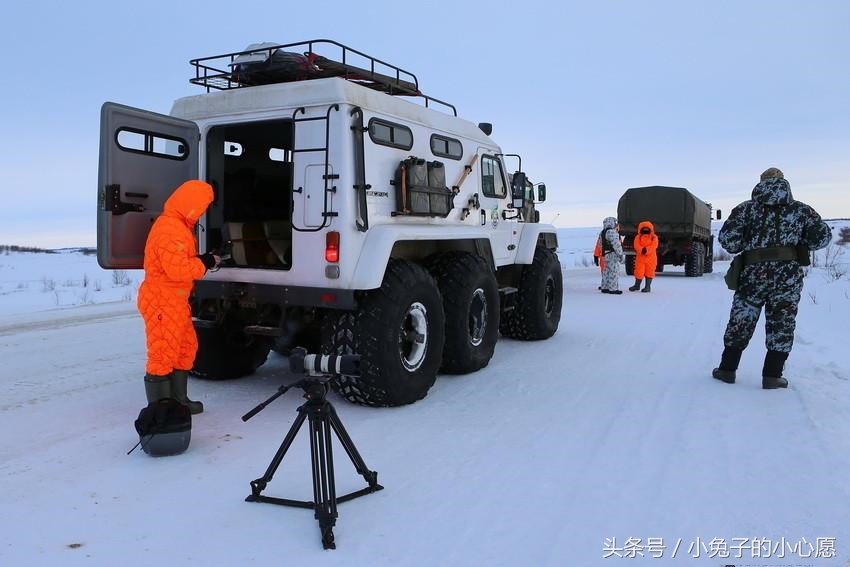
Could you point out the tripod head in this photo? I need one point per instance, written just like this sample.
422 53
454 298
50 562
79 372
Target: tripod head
319 369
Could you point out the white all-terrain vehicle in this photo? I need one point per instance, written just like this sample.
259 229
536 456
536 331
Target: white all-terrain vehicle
355 219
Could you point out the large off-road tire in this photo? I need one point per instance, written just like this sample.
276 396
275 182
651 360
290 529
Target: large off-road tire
398 332
537 310
694 260
630 265
708 264
471 305
224 351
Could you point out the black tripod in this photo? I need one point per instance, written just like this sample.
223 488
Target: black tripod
323 418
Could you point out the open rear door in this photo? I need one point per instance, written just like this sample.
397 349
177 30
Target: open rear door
144 157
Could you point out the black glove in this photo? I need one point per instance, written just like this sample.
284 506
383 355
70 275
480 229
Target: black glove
596 260
208 259
643 250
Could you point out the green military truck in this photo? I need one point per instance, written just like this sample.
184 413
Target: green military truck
682 223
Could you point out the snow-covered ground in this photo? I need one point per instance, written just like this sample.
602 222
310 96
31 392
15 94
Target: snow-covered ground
608 444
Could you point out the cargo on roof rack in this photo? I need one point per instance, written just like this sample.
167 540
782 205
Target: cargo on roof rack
269 63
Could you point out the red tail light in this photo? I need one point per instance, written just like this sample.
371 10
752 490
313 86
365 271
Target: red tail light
332 247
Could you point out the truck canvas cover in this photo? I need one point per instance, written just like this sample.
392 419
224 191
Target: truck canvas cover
668 208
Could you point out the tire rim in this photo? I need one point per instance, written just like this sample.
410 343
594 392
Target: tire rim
413 337
549 296
477 317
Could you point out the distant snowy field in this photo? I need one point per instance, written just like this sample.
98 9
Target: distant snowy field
38 281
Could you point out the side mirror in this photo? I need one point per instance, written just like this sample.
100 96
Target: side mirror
719 214
518 182
541 192
486 127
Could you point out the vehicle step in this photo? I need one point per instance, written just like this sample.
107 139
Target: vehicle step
507 298
264 331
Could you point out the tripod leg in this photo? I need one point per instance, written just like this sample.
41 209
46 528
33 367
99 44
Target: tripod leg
258 485
324 486
370 477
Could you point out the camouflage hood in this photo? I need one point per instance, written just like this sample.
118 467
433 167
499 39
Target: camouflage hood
609 222
773 191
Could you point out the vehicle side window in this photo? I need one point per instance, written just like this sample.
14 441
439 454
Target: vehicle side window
390 134
492 177
446 147
143 142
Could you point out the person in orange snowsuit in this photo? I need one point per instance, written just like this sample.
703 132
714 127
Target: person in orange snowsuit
646 259
171 265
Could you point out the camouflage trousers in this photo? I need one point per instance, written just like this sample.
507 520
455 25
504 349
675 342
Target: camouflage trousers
780 314
611 274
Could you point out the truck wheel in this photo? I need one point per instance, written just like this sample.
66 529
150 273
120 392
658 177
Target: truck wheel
471 306
708 264
630 265
537 311
694 260
224 351
709 256
398 333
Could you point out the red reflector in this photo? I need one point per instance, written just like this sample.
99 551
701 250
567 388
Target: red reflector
327 298
332 247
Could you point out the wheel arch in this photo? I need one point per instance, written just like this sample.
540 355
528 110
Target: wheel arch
397 242
534 235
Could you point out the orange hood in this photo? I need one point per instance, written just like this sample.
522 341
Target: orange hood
189 201
646 224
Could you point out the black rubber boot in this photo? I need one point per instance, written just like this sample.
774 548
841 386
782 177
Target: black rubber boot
179 386
771 373
647 286
637 285
729 361
157 387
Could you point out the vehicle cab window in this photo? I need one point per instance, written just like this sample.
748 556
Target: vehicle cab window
492 177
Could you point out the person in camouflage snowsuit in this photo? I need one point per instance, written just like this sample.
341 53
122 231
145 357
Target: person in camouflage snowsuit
612 252
776 234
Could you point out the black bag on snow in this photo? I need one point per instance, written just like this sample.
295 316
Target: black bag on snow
164 427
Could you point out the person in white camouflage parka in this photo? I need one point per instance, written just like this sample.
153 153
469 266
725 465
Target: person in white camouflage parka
612 251
775 233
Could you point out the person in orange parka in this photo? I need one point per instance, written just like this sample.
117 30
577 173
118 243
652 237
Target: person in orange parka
171 265
645 245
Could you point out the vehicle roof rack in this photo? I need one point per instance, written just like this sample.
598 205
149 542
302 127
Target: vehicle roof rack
269 63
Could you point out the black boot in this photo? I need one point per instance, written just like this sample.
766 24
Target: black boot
771 373
637 285
157 387
648 286
729 361
179 387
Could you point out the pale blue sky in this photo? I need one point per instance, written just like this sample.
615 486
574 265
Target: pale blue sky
596 96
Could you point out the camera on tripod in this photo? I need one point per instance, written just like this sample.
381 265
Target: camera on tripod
324 364
323 420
